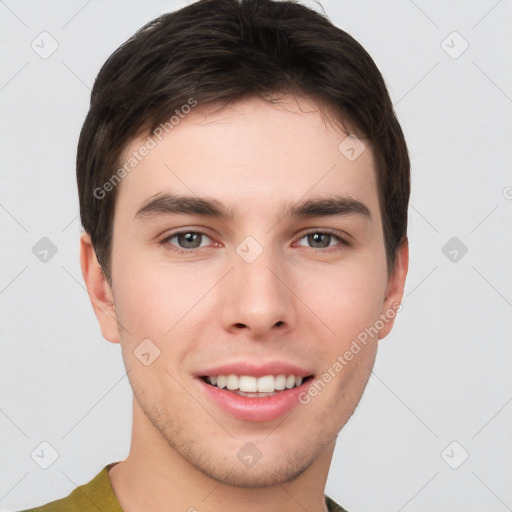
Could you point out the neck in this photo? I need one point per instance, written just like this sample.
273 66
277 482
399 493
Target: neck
155 477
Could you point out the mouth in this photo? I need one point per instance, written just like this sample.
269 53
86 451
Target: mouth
254 398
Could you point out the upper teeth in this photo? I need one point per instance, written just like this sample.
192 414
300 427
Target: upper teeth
248 383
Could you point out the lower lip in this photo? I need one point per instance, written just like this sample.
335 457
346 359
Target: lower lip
255 409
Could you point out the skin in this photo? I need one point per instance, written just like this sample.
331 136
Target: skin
210 306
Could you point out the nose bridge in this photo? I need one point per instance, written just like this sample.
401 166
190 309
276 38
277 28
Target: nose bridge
260 277
257 297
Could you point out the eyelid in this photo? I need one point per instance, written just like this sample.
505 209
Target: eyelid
342 237
327 231
200 231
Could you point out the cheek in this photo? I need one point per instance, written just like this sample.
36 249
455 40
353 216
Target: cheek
161 301
346 298
140 306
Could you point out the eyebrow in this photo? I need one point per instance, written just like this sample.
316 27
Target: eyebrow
169 204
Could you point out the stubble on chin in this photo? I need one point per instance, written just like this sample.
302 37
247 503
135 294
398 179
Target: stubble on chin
213 460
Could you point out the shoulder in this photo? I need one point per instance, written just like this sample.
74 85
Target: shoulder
90 497
332 506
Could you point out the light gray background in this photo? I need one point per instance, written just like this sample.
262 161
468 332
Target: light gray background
443 374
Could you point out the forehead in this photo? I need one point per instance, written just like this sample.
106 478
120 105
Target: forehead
250 153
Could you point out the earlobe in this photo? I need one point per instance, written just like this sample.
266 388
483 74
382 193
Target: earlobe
99 291
395 289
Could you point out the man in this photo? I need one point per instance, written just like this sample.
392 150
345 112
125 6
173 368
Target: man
243 187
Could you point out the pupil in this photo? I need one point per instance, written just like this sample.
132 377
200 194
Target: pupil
316 237
188 239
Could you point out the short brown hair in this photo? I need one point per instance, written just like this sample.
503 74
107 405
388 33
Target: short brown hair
220 51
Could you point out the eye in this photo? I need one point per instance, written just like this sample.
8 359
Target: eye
323 240
187 241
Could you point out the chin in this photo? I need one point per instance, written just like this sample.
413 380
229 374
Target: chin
269 473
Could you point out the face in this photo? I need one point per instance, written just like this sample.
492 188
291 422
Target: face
266 288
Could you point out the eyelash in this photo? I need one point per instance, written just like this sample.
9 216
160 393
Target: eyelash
342 242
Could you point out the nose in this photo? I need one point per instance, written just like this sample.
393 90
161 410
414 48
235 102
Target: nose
258 296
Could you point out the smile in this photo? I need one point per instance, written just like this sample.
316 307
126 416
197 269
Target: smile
254 399
251 386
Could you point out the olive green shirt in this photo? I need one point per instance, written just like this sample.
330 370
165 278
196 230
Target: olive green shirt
98 495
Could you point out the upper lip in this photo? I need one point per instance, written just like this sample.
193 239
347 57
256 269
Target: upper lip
246 368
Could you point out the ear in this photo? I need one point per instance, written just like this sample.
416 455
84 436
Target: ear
100 294
395 289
